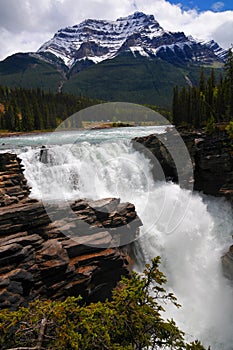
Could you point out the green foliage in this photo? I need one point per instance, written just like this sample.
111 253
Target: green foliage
229 130
163 111
124 78
210 126
129 79
120 124
198 105
26 110
132 320
25 71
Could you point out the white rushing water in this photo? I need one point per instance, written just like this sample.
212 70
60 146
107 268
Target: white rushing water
189 232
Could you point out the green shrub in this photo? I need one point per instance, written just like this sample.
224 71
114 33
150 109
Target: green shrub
210 126
229 130
132 320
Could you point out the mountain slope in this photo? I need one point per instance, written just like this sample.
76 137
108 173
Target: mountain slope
131 79
29 71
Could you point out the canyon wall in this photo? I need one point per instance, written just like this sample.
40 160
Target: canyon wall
212 159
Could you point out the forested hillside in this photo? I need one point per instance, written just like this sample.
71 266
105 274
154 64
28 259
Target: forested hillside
26 110
211 101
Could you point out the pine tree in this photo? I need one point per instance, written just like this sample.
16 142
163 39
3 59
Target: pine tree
229 85
202 83
175 106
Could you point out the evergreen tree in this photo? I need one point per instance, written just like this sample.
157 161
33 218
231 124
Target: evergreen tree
26 110
229 85
209 101
27 114
175 106
202 81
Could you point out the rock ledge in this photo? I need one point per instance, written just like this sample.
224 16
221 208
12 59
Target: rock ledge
44 259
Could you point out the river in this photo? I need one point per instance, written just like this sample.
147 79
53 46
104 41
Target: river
189 231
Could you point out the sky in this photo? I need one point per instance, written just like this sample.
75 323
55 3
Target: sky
205 5
26 24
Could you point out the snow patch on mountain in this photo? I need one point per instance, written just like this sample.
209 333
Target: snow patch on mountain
99 40
138 50
219 51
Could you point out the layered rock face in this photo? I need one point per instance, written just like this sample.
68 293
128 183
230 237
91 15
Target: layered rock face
214 165
211 156
13 185
50 253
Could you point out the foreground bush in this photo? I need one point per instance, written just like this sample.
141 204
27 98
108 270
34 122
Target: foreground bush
132 320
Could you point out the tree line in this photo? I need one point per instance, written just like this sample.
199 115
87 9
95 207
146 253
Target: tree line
33 109
194 106
210 101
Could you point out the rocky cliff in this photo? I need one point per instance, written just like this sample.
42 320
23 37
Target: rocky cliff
43 259
211 156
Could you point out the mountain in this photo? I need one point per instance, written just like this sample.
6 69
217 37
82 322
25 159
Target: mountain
99 40
131 59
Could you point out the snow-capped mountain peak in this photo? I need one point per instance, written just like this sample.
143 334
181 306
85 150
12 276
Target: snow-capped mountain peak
138 33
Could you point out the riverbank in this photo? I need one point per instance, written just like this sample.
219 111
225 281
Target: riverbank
90 126
4 134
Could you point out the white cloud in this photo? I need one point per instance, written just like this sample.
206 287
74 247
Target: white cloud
26 27
217 6
204 25
20 42
224 34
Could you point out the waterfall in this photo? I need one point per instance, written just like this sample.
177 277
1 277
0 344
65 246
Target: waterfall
190 232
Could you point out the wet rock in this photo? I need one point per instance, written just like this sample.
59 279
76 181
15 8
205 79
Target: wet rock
13 185
211 156
214 165
227 263
56 255
43 157
106 205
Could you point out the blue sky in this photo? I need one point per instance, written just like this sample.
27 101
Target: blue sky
205 5
26 27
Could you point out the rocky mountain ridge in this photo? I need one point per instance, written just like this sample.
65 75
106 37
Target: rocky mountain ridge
140 34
